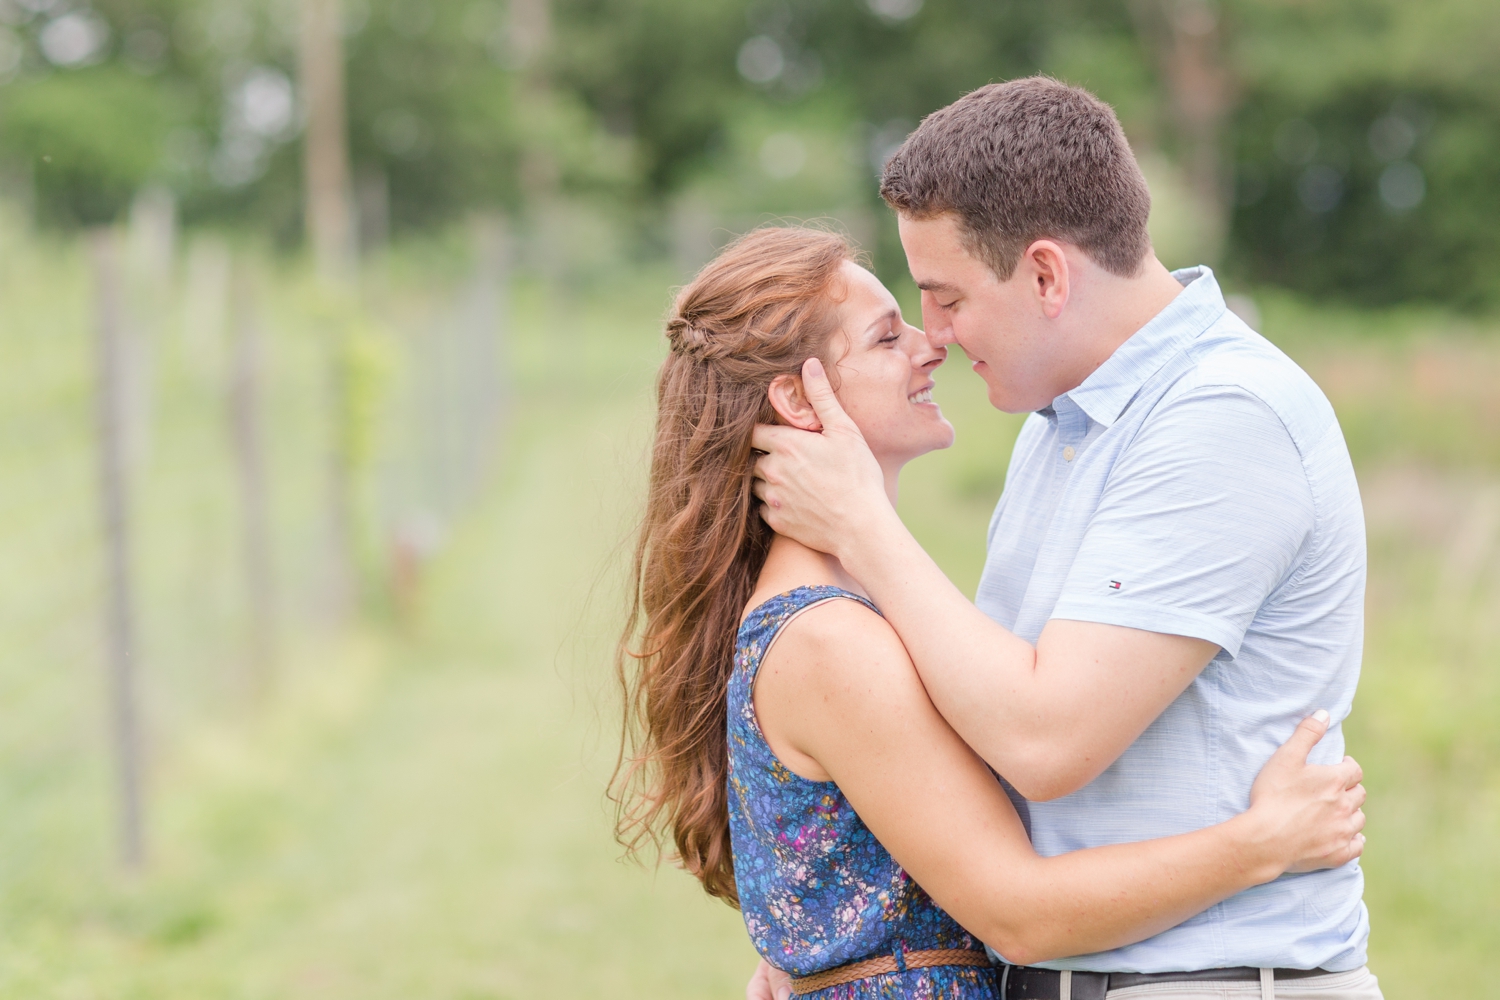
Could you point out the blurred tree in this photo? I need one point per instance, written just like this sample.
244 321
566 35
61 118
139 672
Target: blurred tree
327 194
170 91
1185 38
88 140
447 106
1350 144
671 73
676 76
661 72
1367 148
901 59
432 116
436 122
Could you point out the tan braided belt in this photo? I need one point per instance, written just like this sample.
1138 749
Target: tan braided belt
855 971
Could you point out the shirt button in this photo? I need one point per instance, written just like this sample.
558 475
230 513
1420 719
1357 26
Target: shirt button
1068 453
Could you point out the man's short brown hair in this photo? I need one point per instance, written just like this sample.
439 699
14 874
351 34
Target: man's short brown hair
1026 160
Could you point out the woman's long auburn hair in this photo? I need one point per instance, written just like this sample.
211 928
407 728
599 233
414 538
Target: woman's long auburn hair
758 310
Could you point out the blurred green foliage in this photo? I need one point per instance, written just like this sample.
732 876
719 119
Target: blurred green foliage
93 140
1367 149
1362 140
677 74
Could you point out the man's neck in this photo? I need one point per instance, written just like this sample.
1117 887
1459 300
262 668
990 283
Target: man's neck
1119 307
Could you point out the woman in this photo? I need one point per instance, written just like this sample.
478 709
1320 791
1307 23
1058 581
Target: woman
777 728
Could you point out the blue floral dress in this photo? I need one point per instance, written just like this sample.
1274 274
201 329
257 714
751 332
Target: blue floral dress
816 888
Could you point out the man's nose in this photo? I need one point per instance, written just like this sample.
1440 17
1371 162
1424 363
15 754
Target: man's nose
935 322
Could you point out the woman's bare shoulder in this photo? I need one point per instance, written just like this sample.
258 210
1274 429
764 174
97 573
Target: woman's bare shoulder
835 665
829 640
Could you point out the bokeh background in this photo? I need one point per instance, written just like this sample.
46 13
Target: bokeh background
327 332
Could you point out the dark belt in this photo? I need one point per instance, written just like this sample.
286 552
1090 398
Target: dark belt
1025 983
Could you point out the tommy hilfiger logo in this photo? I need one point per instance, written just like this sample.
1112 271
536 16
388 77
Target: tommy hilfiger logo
1114 585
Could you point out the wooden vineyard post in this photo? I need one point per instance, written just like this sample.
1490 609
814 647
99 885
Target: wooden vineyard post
326 189
486 351
328 203
246 394
1187 40
120 638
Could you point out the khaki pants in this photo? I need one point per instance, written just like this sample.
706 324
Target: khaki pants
1356 985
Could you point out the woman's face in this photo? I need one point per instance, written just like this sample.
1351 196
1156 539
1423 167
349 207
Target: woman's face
884 376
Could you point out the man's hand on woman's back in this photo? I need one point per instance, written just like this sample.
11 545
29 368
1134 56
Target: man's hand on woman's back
769 983
1313 812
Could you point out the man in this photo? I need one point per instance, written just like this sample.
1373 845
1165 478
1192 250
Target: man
1175 572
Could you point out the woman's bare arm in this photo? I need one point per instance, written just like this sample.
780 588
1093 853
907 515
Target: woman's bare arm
838 698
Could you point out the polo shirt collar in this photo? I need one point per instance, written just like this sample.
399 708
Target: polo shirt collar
1105 394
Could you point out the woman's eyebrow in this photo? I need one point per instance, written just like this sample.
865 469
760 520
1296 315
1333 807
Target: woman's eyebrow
890 315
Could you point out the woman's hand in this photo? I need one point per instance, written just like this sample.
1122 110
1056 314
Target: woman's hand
1309 814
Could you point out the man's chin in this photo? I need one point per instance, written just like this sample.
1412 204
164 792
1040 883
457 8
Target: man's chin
1004 401
1010 399
1001 397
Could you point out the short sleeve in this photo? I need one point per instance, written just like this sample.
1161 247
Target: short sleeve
1205 514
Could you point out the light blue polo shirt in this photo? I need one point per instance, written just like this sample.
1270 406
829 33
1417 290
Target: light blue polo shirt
1197 484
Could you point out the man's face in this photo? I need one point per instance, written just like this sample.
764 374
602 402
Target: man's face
999 324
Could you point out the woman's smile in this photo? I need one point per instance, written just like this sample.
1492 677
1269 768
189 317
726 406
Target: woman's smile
888 360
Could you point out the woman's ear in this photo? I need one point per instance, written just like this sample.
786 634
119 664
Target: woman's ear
791 405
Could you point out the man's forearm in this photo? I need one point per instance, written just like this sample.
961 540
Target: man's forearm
1050 718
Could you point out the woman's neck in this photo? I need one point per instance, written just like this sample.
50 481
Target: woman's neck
790 564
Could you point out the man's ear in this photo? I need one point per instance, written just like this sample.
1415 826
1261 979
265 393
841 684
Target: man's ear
1051 279
791 405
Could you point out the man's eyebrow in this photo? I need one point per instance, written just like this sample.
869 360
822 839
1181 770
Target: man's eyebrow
936 286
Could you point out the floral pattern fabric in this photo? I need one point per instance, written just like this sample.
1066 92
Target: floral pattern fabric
817 890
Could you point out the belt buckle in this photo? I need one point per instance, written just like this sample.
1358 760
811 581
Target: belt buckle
1090 985
1046 984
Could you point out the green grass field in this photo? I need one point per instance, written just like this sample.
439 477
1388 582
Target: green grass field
419 812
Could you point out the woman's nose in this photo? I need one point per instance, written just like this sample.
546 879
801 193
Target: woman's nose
926 354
